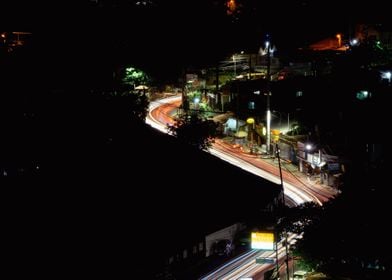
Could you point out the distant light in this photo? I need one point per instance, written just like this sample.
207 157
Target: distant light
354 42
264 130
250 120
257 92
378 45
363 94
196 100
267 43
308 147
386 75
322 164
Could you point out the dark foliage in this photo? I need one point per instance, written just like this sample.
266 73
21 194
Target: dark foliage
194 130
349 238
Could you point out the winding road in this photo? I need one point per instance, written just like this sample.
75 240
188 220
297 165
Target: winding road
296 190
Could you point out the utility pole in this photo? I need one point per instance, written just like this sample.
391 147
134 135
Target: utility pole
268 97
250 66
218 94
284 204
288 122
237 95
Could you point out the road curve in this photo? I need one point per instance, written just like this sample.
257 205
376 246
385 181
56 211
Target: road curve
296 191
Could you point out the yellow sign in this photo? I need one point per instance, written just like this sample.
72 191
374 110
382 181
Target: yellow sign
275 131
262 240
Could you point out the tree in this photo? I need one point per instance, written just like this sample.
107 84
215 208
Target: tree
194 130
345 241
133 105
135 77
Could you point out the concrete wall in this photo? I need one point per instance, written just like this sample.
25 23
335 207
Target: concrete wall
225 233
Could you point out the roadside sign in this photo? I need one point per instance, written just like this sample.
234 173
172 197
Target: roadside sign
265 260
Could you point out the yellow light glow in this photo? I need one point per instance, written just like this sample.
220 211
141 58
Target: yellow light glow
339 37
250 120
262 240
232 6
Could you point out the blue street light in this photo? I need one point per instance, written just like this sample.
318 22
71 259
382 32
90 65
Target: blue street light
196 100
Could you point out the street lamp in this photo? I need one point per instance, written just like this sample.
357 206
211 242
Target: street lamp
235 68
235 62
237 89
268 49
316 161
339 37
196 100
387 75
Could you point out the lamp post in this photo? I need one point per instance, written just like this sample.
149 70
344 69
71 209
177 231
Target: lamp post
288 122
235 59
196 101
388 75
267 45
238 95
235 66
339 37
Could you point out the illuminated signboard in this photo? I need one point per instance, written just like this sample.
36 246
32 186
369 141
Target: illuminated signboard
262 240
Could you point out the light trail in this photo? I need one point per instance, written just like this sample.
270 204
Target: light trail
295 191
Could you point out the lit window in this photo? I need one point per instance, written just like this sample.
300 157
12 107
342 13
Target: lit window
299 93
201 247
251 105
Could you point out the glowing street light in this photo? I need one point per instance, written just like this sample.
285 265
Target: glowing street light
196 100
268 51
387 75
339 37
354 42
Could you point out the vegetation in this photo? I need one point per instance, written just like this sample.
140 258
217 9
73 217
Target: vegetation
346 238
135 77
194 130
134 103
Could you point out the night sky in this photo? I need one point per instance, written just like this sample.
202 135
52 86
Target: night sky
166 37
76 47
